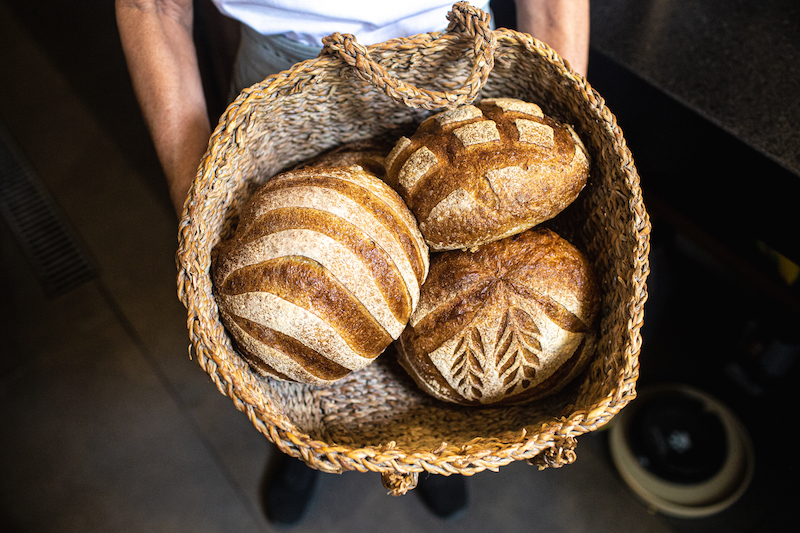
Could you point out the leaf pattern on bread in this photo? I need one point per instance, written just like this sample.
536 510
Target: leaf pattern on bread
517 349
467 369
501 324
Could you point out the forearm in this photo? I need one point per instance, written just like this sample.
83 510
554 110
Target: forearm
562 24
159 49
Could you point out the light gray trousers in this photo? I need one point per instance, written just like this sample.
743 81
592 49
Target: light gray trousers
261 55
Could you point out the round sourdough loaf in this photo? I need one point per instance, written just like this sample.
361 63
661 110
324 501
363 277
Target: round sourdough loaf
479 173
509 323
369 155
321 275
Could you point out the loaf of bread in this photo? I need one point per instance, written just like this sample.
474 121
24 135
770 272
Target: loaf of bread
369 154
321 275
509 323
479 173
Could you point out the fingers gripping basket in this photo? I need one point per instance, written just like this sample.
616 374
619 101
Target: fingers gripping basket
376 419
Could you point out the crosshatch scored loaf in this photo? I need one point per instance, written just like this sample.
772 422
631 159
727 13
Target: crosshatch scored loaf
321 275
479 173
509 323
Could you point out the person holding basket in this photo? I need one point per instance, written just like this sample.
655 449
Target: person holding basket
158 41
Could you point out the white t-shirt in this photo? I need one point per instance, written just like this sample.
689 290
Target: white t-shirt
371 21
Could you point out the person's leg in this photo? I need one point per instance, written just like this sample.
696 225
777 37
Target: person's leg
444 496
288 489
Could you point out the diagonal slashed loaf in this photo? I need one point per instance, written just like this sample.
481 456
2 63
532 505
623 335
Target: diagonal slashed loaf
479 173
321 275
512 322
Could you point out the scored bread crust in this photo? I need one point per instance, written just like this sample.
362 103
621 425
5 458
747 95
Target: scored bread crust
321 275
479 173
509 323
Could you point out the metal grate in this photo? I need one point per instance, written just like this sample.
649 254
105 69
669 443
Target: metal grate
43 234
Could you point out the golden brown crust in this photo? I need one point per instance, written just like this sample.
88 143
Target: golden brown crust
308 285
314 362
390 211
511 322
321 275
483 172
375 259
369 155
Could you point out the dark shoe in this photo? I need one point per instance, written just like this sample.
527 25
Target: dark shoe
445 496
288 489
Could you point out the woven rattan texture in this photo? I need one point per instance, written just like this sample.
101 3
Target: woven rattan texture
376 419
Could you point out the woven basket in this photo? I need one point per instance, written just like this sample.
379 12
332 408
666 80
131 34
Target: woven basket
376 419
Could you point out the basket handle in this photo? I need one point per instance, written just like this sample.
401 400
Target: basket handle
464 19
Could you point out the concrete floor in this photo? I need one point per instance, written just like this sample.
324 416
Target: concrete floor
107 425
